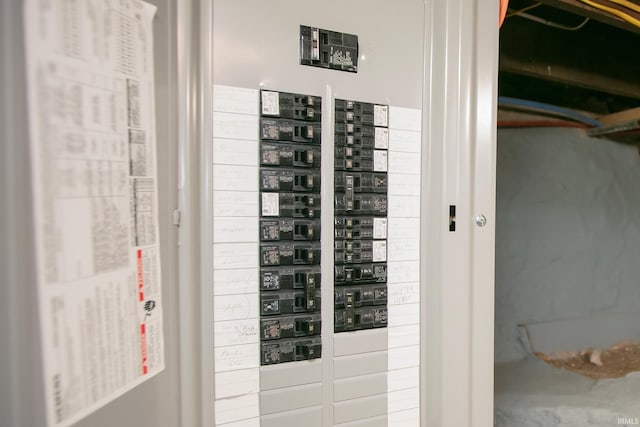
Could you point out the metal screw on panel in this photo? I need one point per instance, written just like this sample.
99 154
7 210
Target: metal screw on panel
481 220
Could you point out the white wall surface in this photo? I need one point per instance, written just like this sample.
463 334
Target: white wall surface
568 227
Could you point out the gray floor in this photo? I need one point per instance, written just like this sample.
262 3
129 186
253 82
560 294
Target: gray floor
530 393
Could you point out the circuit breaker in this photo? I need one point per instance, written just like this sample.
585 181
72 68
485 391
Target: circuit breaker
289 175
328 49
360 223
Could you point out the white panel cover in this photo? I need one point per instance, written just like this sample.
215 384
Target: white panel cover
235 256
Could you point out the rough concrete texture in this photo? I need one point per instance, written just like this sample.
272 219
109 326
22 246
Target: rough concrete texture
596 331
567 247
568 231
530 393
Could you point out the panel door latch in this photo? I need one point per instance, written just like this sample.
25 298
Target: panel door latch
481 220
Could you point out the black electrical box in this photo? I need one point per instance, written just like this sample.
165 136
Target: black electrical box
280 351
285 278
328 49
290 327
361 273
289 182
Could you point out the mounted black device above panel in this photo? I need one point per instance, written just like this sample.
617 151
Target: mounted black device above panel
328 49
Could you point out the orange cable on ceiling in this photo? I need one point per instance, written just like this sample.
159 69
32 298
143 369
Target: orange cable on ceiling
504 5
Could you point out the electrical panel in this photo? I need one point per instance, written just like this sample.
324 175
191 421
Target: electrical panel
289 229
360 223
316 207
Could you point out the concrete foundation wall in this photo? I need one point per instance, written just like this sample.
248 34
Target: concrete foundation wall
568 230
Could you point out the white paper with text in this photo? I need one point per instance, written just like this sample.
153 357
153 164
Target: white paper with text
90 80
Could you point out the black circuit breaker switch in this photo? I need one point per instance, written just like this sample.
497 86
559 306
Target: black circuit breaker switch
285 204
274 328
309 132
288 254
349 305
290 106
348 193
306 326
287 278
284 154
289 229
310 292
288 302
328 49
282 351
309 157
309 350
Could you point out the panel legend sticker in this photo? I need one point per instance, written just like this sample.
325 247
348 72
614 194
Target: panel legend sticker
93 160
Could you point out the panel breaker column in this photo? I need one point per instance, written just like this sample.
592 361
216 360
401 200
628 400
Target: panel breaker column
289 227
361 143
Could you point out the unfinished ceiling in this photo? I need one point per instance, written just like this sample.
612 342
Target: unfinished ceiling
573 54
